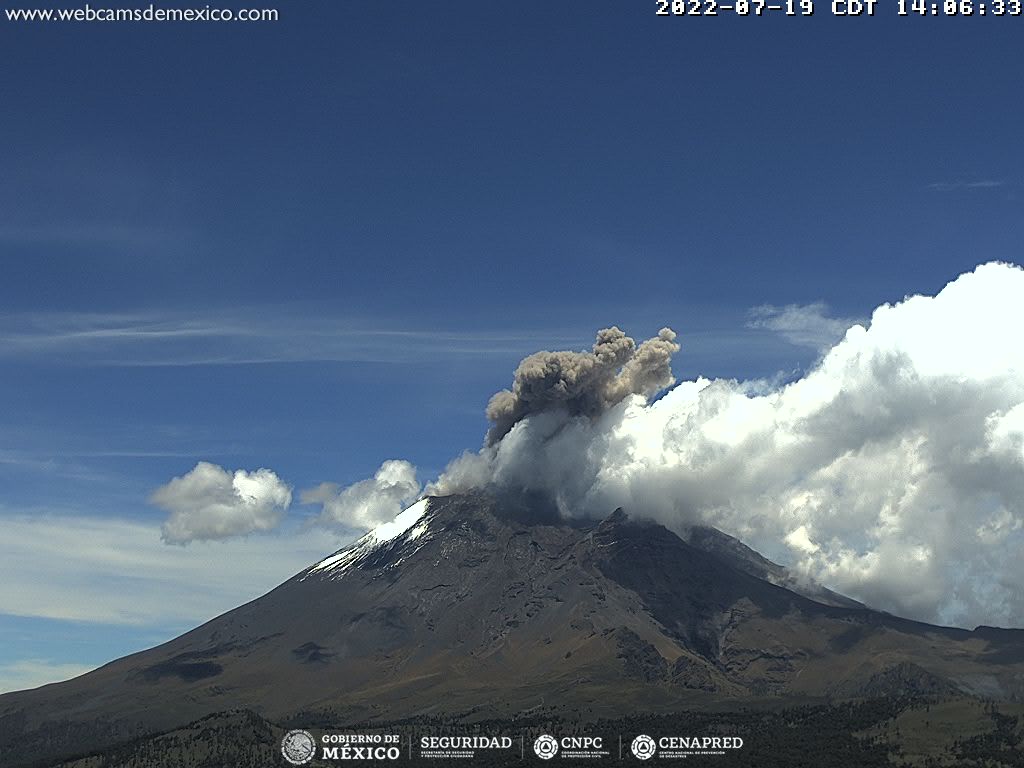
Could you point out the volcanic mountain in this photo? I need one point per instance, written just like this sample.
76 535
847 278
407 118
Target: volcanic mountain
472 606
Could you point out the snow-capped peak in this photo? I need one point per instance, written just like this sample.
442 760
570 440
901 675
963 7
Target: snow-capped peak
383 534
405 520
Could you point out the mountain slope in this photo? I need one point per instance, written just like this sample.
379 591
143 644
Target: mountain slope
463 596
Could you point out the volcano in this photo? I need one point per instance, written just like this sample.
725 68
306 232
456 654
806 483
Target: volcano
476 606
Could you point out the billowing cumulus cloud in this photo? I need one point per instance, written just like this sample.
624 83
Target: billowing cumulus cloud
368 503
210 502
892 471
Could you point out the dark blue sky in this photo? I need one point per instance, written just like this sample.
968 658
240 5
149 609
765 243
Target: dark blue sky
316 244
478 158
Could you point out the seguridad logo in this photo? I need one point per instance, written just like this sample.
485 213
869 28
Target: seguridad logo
461 746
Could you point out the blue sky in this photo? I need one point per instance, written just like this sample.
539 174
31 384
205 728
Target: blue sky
321 243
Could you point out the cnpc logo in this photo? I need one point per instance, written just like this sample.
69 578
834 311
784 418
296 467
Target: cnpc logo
547 746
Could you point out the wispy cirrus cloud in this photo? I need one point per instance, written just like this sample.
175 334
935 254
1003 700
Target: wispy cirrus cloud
23 674
243 337
805 325
965 186
119 572
61 233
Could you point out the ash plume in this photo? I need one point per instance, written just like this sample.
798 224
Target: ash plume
584 383
892 470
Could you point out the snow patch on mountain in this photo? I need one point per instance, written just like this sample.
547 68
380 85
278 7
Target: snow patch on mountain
382 535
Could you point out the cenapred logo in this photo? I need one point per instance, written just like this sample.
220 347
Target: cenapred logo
545 746
643 747
298 747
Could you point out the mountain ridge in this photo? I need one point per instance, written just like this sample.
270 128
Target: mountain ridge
471 594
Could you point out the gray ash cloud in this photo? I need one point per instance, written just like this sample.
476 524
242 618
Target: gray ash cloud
584 383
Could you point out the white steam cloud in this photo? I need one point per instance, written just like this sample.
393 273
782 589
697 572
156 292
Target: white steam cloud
210 502
893 471
368 503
